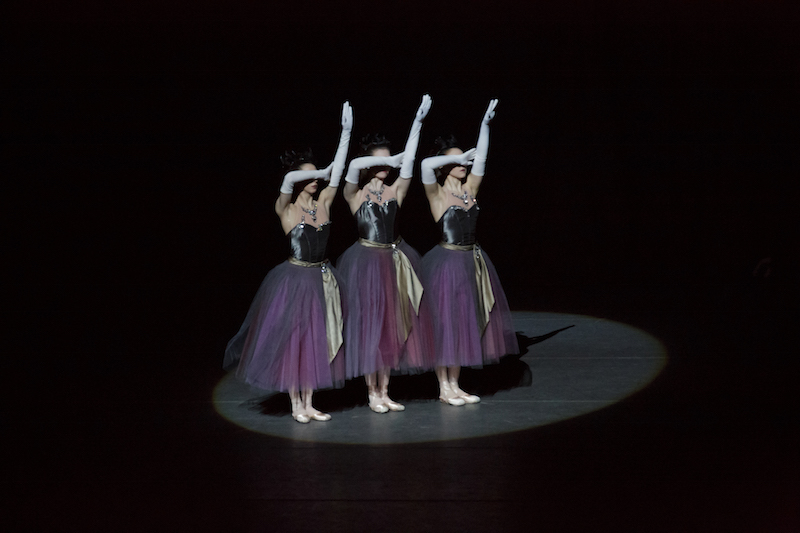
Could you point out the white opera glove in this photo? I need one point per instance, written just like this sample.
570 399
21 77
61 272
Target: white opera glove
344 145
479 167
296 176
368 161
430 164
407 170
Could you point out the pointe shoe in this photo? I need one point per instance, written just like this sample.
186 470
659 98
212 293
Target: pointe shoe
322 417
379 408
376 404
469 398
452 401
301 417
393 406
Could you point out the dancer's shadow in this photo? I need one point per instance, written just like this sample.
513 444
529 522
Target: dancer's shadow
509 373
276 404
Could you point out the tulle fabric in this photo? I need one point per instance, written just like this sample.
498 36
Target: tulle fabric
373 338
449 280
282 344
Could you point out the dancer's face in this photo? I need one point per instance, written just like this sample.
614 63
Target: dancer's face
381 172
459 172
312 186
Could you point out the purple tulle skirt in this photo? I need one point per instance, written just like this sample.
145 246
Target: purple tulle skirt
449 279
282 344
373 338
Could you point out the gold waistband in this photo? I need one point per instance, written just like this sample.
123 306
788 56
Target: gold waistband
300 262
484 284
333 305
375 244
459 247
407 280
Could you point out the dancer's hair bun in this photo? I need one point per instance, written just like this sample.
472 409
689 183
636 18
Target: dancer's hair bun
372 142
445 143
292 160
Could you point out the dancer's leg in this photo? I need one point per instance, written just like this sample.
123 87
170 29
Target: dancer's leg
446 394
453 373
383 377
298 411
309 408
373 394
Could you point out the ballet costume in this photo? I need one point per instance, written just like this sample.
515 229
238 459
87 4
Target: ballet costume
291 337
470 311
389 324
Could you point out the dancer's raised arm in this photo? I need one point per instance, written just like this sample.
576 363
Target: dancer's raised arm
362 163
294 177
430 164
479 165
337 167
407 169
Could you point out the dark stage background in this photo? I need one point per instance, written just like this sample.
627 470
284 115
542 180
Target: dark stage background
644 159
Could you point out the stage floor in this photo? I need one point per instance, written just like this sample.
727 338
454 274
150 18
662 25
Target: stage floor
570 365
681 423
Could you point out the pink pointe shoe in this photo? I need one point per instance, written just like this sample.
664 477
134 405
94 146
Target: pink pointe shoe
301 417
376 404
392 405
469 398
320 416
452 399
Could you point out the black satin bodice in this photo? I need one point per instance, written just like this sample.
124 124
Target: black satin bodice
377 222
309 243
458 225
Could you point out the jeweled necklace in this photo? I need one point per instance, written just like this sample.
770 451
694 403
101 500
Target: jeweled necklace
377 193
465 197
312 212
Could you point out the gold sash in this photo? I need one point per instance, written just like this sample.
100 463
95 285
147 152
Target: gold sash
333 305
485 294
407 280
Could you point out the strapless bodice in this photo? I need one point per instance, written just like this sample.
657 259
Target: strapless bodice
309 243
458 225
377 222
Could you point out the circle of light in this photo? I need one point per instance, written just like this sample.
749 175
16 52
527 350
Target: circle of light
577 371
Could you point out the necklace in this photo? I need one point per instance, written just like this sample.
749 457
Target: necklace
377 193
465 197
312 212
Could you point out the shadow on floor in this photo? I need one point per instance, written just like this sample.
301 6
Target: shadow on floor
509 373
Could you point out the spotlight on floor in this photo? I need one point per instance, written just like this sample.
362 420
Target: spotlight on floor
572 365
